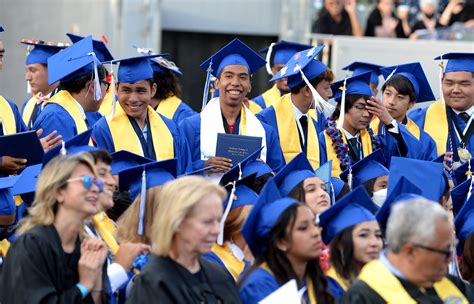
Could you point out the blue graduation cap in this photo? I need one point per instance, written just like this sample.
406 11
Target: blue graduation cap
459 195
458 62
100 48
461 173
41 51
358 68
367 168
354 208
415 74
358 84
123 159
439 159
197 172
324 171
464 223
303 62
296 171
134 69
76 144
162 65
338 185
242 168
281 52
26 182
264 215
7 204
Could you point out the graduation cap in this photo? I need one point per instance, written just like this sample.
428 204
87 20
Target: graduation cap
7 204
358 68
26 183
197 172
100 48
462 173
162 65
415 74
281 52
245 168
459 195
368 168
134 69
234 53
439 159
464 223
458 62
143 177
41 51
76 144
337 185
123 159
354 208
295 172
324 171
265 213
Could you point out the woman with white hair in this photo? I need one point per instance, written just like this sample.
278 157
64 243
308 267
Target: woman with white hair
186 226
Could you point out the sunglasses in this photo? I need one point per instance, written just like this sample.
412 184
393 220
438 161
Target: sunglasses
88 181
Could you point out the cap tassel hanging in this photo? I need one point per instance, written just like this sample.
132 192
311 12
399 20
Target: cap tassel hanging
141 215
240 171
112 92
333 194
267 58
441 72
220 237
469 174
63 148
28 87
96 80
349 178
205 95
319 103
340 121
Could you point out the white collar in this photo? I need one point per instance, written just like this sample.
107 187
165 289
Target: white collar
236 251
349 135
469 111
83 114
297 111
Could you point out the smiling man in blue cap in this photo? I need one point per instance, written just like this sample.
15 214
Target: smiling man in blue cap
449 120
135 126
233 66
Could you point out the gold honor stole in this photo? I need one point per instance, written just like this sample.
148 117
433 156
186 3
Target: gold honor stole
386 285
331 151
28 110
232 264
254 107
289 135
106 229
106 105
309 285
411 126
168 106
65 100
4 246
7 117
436 125
312 114
271 96
333 274
125 138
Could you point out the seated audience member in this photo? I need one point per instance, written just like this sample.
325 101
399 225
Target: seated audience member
338 18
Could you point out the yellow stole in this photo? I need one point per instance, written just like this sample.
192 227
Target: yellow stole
271 96
28 110
106 105
125 138
4 246
254 107
309 285
234 265
386 285
65 100
312 113
436 125
168 107
289 136
411 126
106 229
333 274
331 151
7 117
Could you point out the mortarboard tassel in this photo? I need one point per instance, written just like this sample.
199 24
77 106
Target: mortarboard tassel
220 237
441 72
28 87
469 174
349 178
206 86
319 103
340 121
141 214
112 91
96 80
333 194
268 57
240 171
63 148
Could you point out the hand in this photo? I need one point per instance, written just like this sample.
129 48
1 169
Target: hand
402 13
93 255
448 158
350 6
376 108
50 141
128 252
221 164
11 165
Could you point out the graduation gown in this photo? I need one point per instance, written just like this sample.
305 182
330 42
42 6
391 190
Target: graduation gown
165 281
10 117
37 270
436 121
268 97
175 109
223 255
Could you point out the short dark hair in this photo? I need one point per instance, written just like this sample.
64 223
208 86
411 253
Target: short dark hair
167 85
402 85
350 101
76 85
261 181
327 75
102 156
149 80
342 255
369 186
298 192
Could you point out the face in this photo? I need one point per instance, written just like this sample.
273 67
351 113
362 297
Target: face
198 232
367 241
316 195
334 7
76 199
397 104
432 266
458 90
324 89
381 182
104 172
282 84
385 7
233 84
304 243
357 117
135 97
2 54
37 75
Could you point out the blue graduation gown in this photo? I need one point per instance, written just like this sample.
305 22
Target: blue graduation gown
260 101
183 111
191 128
103 139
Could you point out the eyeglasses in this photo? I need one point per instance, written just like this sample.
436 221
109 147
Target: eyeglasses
106 84
447 253
88 181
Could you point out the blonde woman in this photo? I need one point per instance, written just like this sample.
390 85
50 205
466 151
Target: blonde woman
50 262
185 226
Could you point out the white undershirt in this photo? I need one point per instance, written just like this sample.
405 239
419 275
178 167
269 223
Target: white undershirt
298 115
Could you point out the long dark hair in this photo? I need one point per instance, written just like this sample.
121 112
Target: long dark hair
167 85
467 261
342 255
279 264
298 192
402 85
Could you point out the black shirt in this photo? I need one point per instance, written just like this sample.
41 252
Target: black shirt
375 20
325 24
